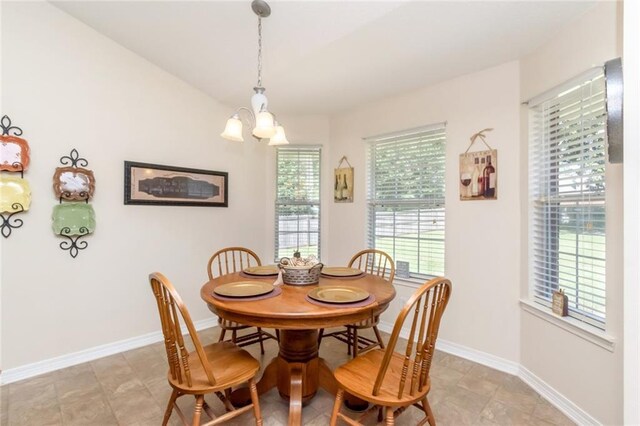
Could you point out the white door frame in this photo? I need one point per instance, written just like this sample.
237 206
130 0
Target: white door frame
631 171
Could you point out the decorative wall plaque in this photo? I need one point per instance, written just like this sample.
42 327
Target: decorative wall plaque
560 304
343 187
402 269
479 171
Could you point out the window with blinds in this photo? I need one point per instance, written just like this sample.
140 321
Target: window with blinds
297 201
567 197
406 183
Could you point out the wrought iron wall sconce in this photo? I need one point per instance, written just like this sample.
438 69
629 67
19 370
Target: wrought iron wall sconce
73 218
15 191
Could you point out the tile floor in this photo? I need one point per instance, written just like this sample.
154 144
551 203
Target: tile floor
131 389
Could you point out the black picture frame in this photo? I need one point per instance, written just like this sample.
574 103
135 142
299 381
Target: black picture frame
174 186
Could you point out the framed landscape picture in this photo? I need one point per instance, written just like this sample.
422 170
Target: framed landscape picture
155 184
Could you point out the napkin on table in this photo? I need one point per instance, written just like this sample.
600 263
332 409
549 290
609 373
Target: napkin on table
279 280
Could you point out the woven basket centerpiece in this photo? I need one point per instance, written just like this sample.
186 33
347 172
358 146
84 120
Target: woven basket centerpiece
299 271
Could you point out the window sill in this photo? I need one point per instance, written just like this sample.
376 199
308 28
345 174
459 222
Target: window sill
571 325
407 282
410 282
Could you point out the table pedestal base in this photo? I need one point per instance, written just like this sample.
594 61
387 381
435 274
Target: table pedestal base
297 372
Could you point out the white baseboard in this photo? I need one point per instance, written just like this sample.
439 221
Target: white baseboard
480 357
30 370
562 403
474 355
554 397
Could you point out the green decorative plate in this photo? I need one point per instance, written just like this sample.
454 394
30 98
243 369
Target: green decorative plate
73 219
14 191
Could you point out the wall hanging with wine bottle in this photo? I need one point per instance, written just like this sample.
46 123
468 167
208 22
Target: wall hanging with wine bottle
479 171
343 187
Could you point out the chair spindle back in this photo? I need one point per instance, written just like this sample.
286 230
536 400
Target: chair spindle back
424 309
230 260
171 308
375 262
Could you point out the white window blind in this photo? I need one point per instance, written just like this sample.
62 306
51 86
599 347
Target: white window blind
297 201
406 183
567 197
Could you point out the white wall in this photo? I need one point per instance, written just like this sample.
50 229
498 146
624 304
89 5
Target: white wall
587 374
69 87
482 237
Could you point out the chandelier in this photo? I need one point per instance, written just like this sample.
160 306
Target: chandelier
264 123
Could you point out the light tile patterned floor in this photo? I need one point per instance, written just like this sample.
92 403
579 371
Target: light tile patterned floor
131 389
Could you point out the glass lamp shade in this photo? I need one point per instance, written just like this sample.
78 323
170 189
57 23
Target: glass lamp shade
265 125
233 130
279 138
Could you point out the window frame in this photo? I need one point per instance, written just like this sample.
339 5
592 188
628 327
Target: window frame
434 204
535 201
292 202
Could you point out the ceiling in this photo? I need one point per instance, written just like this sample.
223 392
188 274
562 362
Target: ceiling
325 56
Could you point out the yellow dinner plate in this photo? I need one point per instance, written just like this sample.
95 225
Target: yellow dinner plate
244 289
261 270
15 194
338 294
340 271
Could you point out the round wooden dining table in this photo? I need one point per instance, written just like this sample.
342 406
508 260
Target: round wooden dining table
297 371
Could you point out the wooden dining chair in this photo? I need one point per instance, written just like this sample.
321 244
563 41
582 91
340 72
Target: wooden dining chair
214 368
375 262
227 261
401 379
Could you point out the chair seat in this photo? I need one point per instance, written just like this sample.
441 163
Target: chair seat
356 378
230 365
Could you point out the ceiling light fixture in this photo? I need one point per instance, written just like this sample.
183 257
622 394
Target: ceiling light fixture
264 123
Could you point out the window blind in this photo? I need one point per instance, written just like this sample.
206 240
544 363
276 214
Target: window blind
567 198
406 193
297 201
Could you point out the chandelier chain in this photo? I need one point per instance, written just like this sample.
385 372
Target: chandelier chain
259 51
265 126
